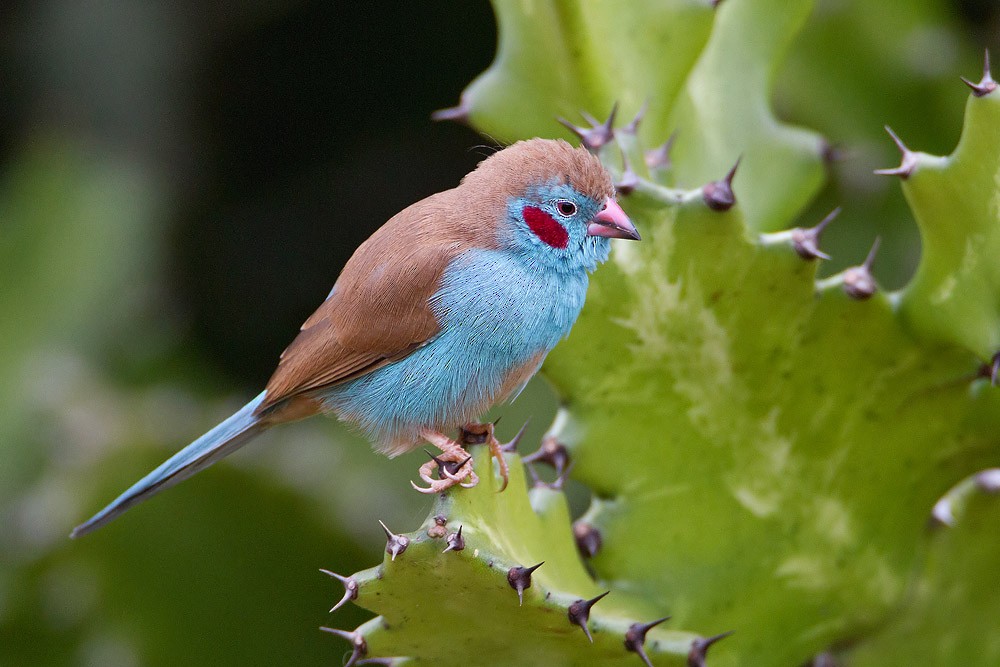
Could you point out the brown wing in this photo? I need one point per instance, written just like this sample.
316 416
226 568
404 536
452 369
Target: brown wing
378 311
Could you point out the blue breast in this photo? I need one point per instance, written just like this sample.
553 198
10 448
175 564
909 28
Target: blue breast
498 310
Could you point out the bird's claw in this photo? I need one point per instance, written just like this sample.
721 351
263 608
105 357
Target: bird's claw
436 486
473 480
447 475
447 482
449 466
454 458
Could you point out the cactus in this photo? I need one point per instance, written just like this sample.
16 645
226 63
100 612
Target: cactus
502 579
764 446
949 620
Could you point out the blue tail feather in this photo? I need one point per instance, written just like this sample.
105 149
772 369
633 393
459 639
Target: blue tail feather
221 441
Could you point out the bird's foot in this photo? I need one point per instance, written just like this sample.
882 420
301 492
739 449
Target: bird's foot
451 466
483 433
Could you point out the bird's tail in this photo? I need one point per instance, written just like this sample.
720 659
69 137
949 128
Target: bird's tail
221 441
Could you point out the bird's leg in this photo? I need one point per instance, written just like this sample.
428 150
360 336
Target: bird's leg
450 465
483 433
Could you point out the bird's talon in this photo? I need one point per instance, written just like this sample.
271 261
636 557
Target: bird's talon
426 470
433 488
496 451
450 466
439 485
418 488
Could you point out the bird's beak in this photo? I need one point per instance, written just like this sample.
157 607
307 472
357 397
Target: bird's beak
611 222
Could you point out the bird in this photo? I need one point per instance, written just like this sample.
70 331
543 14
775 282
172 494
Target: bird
446 310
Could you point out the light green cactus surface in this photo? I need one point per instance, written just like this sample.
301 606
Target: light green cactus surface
764 447
469 592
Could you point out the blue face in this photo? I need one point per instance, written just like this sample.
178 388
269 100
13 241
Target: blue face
549 224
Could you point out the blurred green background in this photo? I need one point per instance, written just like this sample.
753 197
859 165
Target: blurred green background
180 183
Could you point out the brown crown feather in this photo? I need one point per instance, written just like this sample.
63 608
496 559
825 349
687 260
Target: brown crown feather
535 161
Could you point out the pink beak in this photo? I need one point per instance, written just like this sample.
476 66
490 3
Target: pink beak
611 222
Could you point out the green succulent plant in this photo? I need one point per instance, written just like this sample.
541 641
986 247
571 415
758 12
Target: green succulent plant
764 445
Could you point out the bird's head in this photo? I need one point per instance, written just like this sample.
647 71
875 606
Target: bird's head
558 203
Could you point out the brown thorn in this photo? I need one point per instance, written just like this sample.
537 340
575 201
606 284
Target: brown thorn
511 446
907 164
588 538
458 114
989 480
451 467
394 544
575 129
350 588
519 579
903 171
551 451
535 479
659 158
896 140
629 180
941 512
455 541
870 259
986 85
806 241
633 125
719 195
556 485
635 638
598 135
579 613
859 283
699 649
560 481
459 466
832 153
991 370
589 118
830 217
609 124
440 463
359 648
824 659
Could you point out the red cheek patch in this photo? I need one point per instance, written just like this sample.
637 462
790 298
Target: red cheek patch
545 228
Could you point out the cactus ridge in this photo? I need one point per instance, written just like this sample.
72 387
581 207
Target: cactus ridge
516 588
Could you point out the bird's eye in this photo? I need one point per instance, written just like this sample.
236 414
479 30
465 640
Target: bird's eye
566 208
